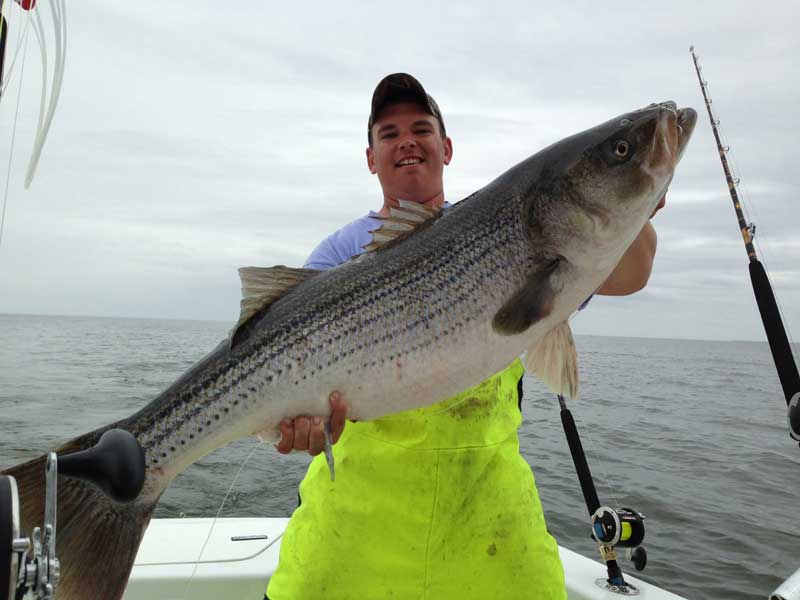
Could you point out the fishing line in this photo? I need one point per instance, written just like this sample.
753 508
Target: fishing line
13 136
769 308
775 294
214 522
746 209
765 260
593 450
752 215
764 251
610 490
749 210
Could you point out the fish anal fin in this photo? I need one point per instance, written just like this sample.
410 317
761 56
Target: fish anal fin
402 222
261 286
554 360
531 303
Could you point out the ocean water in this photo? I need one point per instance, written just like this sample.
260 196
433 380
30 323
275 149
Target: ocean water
691 433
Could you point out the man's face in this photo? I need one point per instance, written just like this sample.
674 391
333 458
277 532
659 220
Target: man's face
408 153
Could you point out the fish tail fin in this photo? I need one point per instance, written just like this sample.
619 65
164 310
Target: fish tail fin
96 537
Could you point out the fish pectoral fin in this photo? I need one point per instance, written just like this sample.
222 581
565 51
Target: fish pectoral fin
532 302
402 222
261 286
554 360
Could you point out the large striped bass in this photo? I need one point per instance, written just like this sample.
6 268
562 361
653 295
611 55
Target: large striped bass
440 302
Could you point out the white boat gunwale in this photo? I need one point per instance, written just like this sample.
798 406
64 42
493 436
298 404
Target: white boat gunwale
170 566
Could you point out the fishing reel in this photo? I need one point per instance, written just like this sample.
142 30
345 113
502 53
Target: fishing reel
623 528
29 568
28 565
611 527
794 417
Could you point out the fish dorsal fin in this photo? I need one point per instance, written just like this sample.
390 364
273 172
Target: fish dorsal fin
402 222
261 286
554 360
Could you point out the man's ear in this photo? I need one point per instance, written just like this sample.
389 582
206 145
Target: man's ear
448 150
371 160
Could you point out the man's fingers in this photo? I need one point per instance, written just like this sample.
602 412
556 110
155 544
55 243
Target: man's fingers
316 437
660 205
286 443
308 433
338 414
302 425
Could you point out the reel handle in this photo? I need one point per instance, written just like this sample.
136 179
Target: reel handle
115 464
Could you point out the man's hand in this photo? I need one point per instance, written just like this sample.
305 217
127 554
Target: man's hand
307 433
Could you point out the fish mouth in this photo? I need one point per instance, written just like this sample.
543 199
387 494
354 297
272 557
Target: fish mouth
672 131
687 119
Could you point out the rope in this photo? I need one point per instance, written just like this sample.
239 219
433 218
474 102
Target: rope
59 17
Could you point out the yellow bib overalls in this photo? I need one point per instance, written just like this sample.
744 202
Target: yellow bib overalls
435 503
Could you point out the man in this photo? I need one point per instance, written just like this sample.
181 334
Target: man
435 502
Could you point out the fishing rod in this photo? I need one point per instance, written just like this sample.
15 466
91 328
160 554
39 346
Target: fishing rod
765 298
611 527
3 38
25 5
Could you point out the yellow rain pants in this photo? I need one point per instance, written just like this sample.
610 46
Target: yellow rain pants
435 503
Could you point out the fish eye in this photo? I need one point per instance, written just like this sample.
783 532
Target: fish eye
624 122
621 148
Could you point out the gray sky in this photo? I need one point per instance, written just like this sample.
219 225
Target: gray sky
195 137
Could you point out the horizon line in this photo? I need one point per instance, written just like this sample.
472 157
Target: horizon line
232 321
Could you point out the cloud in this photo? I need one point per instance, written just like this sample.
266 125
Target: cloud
193 138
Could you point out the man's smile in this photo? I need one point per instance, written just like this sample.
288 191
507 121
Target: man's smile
408 161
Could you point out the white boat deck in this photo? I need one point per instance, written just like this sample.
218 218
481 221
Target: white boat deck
234 568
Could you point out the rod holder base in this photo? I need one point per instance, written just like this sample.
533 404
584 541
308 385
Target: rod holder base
622 590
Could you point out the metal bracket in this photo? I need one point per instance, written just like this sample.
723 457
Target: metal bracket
40 573
623 590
